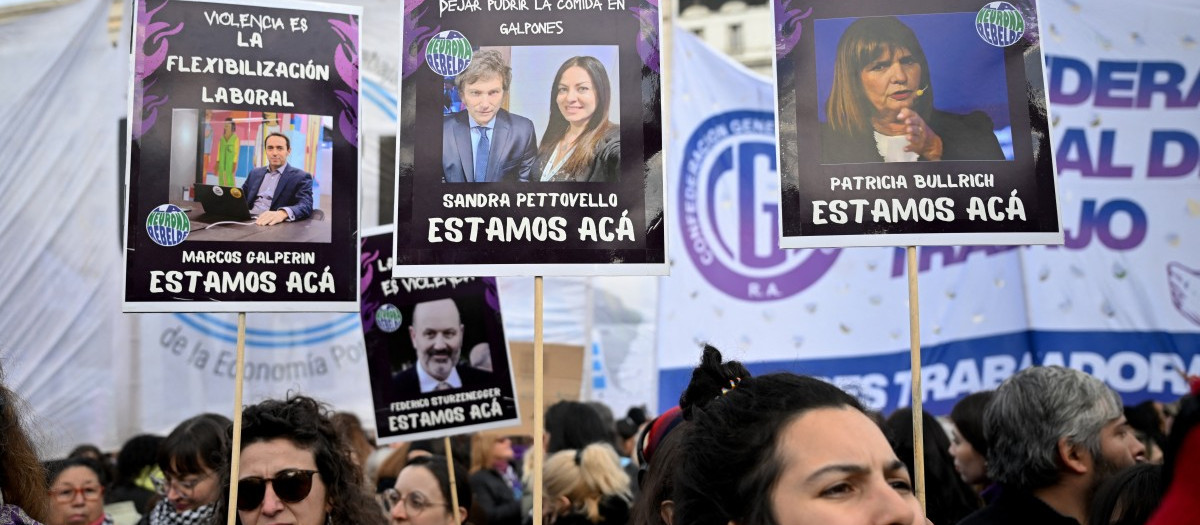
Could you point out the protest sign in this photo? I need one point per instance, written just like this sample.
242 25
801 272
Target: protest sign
436 351
243 172
509 106
916 124
1117 300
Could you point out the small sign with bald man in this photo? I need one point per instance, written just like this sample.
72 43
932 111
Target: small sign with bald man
438 359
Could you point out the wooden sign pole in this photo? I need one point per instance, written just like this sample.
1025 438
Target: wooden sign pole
914 341
453 482
236 445
539 411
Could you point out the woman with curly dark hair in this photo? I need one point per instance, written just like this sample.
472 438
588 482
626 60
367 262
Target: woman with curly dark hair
296 468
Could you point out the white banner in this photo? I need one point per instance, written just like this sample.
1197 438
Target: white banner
187 364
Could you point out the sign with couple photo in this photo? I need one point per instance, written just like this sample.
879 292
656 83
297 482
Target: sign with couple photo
531 141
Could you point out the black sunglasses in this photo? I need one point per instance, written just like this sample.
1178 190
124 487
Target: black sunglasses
290 485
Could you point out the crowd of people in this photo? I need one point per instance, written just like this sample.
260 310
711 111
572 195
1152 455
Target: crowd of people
1050 445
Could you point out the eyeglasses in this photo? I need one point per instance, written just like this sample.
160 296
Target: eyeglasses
163 485
414 502
291 486
68 495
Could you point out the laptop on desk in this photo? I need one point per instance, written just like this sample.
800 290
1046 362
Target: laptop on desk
222 203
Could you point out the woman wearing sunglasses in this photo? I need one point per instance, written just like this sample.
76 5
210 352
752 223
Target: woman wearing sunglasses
422 493
295 468
76 495
189 458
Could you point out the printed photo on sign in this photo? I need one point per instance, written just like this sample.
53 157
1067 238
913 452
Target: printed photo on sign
530 97
541 125
925 125
875 96
438 360
243 158
236 166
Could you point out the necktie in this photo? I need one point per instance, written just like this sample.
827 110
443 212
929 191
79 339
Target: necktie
481 154
442 385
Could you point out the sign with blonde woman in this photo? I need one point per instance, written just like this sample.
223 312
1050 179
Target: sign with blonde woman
531 139
920 124
438 359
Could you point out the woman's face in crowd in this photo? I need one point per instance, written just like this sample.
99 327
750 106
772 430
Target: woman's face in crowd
970 464
891 81
502 450
191 491
76 497
576 95
838 468
421 500
266 459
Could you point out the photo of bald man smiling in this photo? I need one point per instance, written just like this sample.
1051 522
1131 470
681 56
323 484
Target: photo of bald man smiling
437 337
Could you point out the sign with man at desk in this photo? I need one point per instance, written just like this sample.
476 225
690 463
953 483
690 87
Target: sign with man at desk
251 175
243 142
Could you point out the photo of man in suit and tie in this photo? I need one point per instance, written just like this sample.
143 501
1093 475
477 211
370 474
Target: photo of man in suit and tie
437 336
484 142
278 192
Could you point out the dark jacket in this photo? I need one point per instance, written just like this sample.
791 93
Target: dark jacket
513 149
1017 507
294 190
964 137
613 511
606 163
406 384
495 497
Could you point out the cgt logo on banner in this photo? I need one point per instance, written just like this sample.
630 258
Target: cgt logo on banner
729 209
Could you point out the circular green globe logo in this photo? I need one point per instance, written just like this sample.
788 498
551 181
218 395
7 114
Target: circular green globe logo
388 318
168 225
448 53
1000 24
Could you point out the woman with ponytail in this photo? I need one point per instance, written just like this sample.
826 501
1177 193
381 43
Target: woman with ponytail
585 486
783 449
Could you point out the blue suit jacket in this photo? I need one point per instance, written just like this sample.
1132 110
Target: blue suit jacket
513 152
293 191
